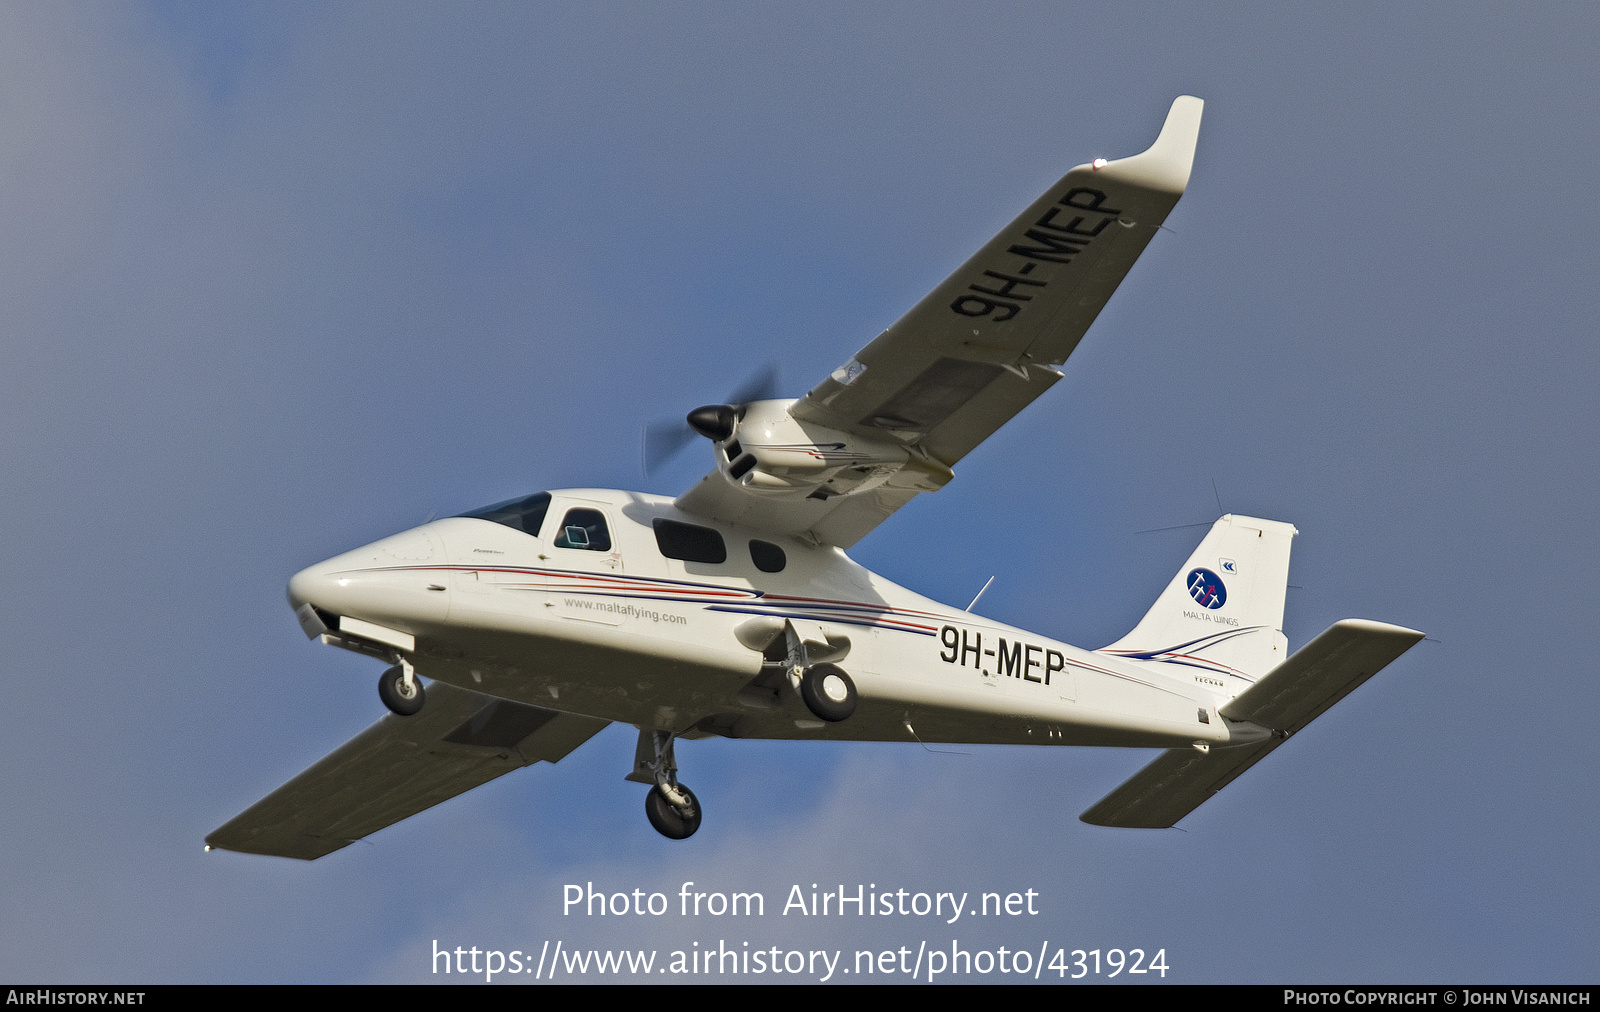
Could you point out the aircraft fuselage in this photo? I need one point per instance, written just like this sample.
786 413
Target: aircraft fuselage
593 617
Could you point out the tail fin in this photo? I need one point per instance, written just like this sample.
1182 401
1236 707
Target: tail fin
1223 612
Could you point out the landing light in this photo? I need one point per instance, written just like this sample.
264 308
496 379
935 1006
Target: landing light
1098 163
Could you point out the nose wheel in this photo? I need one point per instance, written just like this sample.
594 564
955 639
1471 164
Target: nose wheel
673 819
401 690
672 808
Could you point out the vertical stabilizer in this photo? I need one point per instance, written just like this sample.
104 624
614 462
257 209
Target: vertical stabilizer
1223 611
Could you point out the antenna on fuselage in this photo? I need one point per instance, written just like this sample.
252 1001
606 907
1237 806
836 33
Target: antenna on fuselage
980 594
936 751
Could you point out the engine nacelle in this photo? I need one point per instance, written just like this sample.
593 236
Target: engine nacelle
770 451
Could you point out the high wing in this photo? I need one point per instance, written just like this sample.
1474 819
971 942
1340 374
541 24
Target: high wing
968 357
400 766
895 418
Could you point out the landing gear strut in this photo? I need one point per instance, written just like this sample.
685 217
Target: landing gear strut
825 689
672 808
400 689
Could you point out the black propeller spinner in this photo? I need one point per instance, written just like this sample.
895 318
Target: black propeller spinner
665 440
714 421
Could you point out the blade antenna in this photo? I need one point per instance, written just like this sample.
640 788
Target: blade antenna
975 601
935 751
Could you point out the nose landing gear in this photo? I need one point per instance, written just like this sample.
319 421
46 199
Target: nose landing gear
672 808
400 689
668 815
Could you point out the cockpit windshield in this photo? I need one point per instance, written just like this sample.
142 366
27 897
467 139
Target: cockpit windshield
525 514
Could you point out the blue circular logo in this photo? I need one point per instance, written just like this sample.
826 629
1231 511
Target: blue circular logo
1207 589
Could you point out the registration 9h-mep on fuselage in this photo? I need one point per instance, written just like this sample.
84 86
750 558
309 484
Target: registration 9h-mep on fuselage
514 633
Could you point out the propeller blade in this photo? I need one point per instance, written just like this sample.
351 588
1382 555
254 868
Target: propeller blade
662 442
665 440
762 386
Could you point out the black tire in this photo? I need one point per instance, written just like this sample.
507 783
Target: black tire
828 692
392 690
666 819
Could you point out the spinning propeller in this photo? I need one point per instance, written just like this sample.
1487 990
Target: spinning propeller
665 440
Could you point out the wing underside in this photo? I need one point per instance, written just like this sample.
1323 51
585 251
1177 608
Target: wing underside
983 344
399 767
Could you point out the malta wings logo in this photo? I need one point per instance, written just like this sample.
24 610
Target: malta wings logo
1207 589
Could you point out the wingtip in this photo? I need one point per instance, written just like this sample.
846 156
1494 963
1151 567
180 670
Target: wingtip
1374 627
1180 135
1166 164
1189 104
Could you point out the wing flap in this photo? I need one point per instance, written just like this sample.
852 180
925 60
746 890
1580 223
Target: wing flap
401 766
1286 699
855 517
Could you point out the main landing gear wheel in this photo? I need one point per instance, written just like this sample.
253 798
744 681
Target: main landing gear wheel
828 692
668 820
396 695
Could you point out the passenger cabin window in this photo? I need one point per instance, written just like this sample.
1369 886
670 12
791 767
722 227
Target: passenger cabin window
768 557
584 529
525 514
689 542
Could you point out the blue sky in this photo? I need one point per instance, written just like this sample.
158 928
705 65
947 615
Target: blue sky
283 280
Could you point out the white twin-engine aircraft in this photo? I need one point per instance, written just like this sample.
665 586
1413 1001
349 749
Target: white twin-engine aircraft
733 609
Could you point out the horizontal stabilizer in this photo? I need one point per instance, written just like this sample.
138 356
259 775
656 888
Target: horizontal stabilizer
1179 781
400 766
1318 675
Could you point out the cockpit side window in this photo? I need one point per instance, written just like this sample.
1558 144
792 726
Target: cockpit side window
525 514
584 529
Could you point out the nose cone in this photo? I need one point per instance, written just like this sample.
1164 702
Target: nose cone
317 586
400 582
